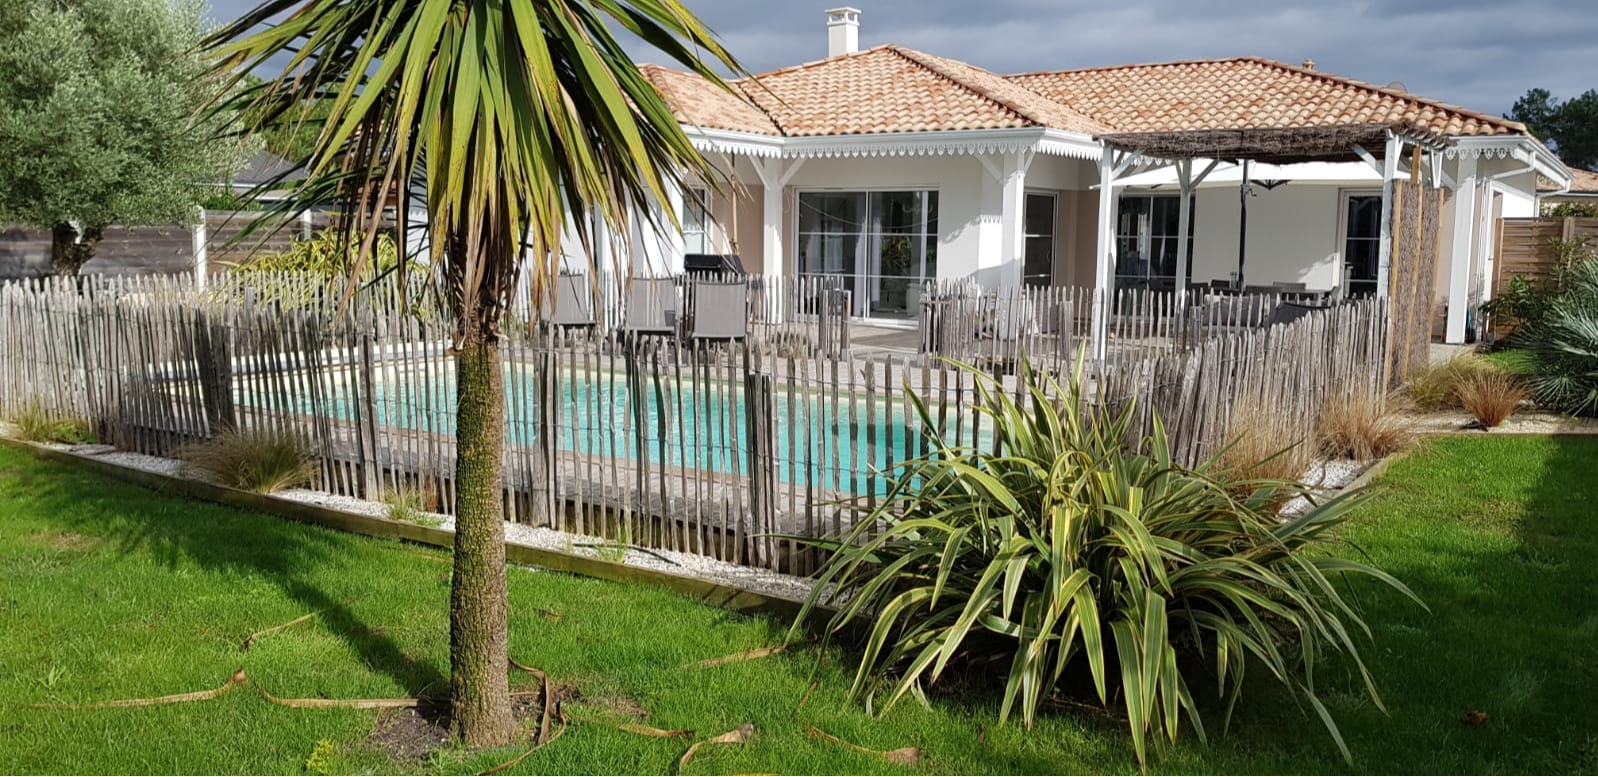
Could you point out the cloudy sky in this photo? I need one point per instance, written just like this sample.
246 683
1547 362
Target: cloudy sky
1481 54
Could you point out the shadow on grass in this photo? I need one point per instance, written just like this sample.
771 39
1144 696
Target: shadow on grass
1496 536
176 530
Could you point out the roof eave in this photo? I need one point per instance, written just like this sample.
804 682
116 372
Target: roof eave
883 144
1522 147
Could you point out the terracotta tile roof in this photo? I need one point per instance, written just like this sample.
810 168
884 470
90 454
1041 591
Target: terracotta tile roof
893 89
879 90
701 104
1246 93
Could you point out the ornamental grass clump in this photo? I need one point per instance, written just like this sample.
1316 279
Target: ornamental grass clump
1361 427
1072 558
259 460
1491 397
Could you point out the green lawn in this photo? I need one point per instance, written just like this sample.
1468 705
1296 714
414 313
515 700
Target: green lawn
110 591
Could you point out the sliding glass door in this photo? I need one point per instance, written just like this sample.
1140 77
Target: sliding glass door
881 246
1146 232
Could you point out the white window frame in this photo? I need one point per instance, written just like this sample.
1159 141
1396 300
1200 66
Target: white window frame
1340 266
861 303
1054 233
697 197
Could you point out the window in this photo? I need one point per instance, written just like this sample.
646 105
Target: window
1147 227
696 221
1362 242
1038 266
882 246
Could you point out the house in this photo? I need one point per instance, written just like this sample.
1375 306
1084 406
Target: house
263 169
888 167
1582 191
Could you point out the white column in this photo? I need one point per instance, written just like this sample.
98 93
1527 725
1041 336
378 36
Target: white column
989 227
1459 263
673 244
1012 221
1384 260
1104 255
771 220
774 176
1184 210
201 261
1482 281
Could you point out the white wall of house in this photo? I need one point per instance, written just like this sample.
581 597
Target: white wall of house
1294 235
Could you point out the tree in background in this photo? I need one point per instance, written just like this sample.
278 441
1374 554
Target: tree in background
99 119
502 116
1570 127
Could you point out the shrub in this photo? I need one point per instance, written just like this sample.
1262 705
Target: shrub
331 253
1564 344
411 504
1491 397
1436 387
260 460
1073 557
36 424
1360 428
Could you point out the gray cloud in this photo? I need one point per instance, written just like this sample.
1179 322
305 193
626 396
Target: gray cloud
1481 54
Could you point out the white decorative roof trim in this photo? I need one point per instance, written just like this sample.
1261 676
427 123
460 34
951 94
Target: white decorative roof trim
1520 147
933 143
733 142
1070 144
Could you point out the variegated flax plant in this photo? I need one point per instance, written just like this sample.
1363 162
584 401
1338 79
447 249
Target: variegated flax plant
1075 559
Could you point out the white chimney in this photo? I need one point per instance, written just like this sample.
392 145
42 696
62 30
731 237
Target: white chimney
843 31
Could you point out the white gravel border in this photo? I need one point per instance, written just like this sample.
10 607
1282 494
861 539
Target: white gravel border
759 581
1328 477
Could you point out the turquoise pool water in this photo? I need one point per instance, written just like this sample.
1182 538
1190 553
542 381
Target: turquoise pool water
831 443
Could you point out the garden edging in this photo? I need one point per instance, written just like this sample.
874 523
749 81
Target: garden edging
714 594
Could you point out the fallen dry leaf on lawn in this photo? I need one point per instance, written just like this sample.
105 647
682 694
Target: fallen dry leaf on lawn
237 680
907 756
347 704
747 655
542 737
805 698
535 748
250 640
1476 718
651 731
736 736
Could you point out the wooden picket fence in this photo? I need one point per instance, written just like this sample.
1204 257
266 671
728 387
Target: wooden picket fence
734 450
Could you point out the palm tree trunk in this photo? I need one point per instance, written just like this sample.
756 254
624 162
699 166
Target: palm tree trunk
478 651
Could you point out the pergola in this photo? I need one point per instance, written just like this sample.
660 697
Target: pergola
1382 146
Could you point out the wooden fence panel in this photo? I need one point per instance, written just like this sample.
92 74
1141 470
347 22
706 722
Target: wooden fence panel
709 447
1526 247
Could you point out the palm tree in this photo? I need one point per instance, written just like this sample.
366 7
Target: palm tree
504 114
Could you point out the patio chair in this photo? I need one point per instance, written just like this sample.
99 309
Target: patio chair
651 307
574 304
1288 312
720 311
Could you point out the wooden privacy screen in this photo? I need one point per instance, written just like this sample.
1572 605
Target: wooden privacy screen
1526 247
1412 286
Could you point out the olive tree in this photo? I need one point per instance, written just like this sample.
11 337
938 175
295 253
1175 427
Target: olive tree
102 120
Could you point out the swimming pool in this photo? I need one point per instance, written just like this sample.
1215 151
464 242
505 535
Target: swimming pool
831 441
